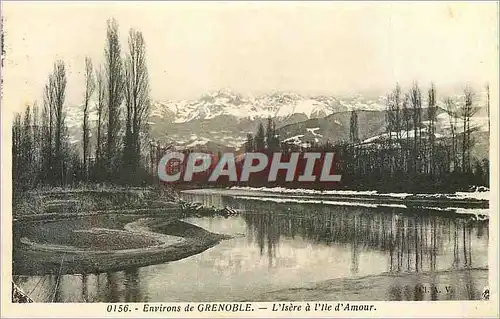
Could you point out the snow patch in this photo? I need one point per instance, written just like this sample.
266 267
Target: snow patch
313 131
294 139
315 201
477 195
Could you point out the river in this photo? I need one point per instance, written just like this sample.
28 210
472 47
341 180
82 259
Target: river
280 246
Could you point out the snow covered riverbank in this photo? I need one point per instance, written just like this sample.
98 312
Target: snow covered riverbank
479 213
476 195
473 203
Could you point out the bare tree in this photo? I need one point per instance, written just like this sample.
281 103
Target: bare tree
27 149
416 103
37 143
452 117
406 115
89 90
60 94
114 74
16 153
467 112
431 115
389 122
54 96
395 109
101 100
59 97
137 99
48 123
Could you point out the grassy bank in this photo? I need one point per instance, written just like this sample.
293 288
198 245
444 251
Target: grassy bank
87 231
61 200
46 260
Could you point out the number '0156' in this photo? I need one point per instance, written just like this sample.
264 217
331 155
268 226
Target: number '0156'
117 308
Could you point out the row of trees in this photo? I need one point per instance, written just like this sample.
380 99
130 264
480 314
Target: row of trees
117 93
405 126
409 155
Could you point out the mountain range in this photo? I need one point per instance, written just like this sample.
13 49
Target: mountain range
221 120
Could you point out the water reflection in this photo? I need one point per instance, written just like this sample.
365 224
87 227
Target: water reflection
132 291
412 243
289 245
109 287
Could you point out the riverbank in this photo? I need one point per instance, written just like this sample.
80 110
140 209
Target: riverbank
462 284
39 259
84 200
474 203
88 231
480 194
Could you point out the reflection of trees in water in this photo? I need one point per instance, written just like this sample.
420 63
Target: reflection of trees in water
269 234
354 257
56 293
85 292
412 242
112 287
208 200
122 286
132 289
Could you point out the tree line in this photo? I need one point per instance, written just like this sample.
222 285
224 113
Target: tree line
112 146
411 156
408 156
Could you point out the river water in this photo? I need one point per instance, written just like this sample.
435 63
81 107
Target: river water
279 246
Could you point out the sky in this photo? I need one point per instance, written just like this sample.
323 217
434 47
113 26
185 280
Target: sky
338 48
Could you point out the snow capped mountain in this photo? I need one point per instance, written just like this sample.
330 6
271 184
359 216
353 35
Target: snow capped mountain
222 119
226 117
277 105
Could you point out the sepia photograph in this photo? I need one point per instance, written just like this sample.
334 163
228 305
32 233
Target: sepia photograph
247 152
